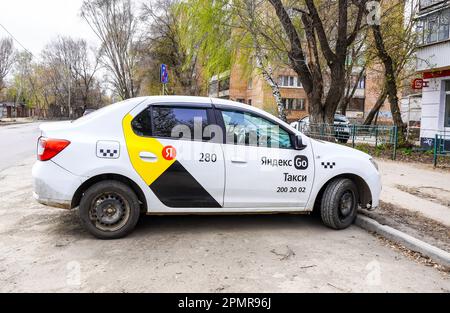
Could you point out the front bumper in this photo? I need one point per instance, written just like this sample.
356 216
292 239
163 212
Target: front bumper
53 185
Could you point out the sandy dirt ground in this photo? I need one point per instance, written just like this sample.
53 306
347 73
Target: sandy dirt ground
46 250
418 188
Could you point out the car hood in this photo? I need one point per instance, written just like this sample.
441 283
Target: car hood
325 147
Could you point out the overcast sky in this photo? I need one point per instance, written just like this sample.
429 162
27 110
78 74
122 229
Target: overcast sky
35 22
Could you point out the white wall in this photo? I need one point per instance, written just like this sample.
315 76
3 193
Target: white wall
433 56
433 107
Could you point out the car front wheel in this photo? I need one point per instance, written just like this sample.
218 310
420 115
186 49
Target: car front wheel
339 204
109 210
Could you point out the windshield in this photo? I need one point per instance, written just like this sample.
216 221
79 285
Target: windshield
340 119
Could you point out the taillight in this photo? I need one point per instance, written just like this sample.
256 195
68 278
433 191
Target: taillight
49 148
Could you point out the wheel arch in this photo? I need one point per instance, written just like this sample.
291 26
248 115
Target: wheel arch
364 192
102 177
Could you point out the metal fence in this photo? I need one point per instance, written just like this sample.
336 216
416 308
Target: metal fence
441 145
354 135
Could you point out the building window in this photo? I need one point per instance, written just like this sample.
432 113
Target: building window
435 27
289 81
447 104
428 3
250 102
362 83
241 100
293 104
356 105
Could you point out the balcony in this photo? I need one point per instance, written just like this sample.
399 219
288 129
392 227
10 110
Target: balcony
435 56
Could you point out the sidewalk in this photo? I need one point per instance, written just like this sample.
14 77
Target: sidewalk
15 121
417 188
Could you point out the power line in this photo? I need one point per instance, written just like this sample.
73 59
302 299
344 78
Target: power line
15 39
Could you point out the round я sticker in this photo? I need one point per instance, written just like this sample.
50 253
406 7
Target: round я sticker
169 153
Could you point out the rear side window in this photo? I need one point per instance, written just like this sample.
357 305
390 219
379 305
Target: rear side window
172 122
142 124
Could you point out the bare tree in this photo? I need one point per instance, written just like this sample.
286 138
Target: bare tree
394 46
115 24
332 46
72 76
162 44
7 57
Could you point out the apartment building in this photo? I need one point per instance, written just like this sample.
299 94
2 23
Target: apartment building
434 66
256 92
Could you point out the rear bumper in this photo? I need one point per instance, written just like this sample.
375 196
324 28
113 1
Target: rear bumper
53 185
60 204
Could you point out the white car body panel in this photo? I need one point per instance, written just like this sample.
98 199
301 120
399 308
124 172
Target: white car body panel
234 187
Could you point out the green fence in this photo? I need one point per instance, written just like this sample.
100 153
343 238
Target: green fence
441 146
354 135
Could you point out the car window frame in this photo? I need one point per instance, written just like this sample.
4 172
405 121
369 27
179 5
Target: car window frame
200 106
221 122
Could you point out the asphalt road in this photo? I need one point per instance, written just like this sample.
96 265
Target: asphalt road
46 250
17 142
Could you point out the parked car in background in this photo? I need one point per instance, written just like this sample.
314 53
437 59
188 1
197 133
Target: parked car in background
340 129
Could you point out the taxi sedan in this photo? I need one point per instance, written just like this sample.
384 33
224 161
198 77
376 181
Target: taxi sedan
191 155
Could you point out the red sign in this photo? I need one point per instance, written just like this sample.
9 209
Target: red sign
169 153
418 83
436 74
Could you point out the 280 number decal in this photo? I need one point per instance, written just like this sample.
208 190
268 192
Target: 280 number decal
208 158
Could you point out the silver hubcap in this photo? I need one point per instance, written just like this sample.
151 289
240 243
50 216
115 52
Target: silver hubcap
109 211
346 204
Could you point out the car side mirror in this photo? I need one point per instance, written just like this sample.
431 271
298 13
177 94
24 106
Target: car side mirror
299 143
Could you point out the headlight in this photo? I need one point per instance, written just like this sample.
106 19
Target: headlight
375 164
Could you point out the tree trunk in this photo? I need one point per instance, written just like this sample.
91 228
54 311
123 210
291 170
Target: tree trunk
376 109
391 82
268 77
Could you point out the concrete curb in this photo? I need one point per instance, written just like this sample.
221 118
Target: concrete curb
439 256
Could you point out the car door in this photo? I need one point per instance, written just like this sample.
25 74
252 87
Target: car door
169 150
263 168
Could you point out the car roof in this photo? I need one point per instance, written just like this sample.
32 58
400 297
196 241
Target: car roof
130 104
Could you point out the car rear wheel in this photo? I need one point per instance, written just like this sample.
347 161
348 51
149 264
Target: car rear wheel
109 210
339 204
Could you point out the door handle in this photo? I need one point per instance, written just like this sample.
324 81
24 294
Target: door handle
239 161
148 157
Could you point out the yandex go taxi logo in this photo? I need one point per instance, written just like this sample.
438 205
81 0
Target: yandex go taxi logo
169 153
301 162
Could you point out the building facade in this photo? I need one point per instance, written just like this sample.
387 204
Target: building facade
434 65
256 92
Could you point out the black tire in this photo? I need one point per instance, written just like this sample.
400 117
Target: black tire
343 140
118 206
339 205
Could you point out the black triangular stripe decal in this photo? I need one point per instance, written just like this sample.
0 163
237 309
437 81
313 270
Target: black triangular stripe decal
177 188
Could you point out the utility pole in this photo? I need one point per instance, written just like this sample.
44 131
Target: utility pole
69 83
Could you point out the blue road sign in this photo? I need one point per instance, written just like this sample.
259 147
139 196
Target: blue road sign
164 74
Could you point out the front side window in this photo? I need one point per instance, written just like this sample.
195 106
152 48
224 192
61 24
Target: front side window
243 128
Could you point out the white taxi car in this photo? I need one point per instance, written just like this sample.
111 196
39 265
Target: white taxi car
190 155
